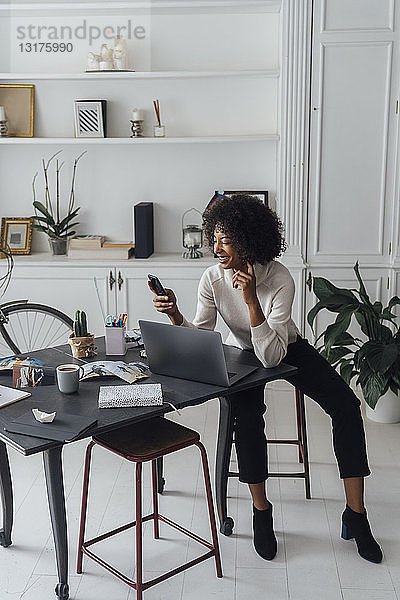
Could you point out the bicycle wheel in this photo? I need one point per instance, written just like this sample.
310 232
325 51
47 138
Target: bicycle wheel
27 327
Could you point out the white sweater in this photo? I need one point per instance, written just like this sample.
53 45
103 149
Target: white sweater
275 292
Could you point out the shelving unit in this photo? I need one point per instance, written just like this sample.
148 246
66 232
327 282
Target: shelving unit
219 99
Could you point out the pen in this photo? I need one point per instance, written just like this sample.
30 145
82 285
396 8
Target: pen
116 321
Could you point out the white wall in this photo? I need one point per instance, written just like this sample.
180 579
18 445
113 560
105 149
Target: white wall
175 177
110 180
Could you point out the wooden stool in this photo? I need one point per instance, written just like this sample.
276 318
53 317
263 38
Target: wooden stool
227 523
139 443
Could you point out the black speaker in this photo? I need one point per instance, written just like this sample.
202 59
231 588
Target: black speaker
144 229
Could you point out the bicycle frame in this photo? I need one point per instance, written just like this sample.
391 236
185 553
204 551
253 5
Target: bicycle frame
3 318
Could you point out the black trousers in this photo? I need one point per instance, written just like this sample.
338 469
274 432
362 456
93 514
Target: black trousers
321 382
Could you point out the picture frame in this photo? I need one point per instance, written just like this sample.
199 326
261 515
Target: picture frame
260 194
90 118
19 102
16 233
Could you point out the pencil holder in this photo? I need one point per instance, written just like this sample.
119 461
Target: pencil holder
115 341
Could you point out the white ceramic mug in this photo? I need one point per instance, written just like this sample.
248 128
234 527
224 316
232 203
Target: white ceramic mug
68 378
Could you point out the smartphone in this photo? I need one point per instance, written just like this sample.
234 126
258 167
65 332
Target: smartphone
157 285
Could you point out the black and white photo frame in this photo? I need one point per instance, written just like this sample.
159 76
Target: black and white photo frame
16 234
260 194
90 118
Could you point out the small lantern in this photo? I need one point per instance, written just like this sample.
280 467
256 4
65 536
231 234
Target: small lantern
192 234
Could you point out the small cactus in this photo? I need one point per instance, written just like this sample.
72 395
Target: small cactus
80 324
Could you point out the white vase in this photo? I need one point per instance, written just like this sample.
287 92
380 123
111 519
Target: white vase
387 409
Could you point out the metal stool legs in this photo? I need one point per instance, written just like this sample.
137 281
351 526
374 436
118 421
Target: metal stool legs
139 585
139 533
303 447
300 441
213 525
225 441
155 484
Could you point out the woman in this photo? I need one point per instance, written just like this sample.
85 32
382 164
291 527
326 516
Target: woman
254 293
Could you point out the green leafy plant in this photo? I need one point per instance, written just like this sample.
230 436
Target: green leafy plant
48 214
375 361
80 324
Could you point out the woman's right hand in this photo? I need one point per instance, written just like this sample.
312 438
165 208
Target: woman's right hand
167 305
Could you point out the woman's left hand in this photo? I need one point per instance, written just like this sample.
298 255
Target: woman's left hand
246 281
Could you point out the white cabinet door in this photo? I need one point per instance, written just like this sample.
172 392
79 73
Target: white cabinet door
67 288
353 131
135 298
376 282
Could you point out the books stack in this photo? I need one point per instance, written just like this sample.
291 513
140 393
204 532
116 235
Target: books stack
95 247
86 242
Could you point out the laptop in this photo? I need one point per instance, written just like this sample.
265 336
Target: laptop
187 353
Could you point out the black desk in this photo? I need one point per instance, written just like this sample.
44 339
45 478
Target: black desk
181 393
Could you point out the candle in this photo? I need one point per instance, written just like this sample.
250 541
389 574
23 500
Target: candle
192 239
2 113
137 114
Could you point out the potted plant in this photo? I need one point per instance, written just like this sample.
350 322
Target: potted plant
81 342
374 360
48 214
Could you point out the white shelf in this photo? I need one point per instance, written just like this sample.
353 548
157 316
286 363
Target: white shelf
270 137
244 74
40 259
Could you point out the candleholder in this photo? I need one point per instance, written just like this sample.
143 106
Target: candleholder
159 131
137 128
3 129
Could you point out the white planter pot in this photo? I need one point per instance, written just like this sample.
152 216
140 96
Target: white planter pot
387 409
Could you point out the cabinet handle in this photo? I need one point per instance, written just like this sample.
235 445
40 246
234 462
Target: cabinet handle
309 281
111 281
120 280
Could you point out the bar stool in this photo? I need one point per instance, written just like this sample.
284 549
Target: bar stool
227 523
301 442
142 442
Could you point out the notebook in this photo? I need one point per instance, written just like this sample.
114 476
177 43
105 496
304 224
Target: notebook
9 395
64 428
121 396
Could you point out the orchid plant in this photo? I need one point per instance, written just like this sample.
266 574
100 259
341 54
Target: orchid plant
49 217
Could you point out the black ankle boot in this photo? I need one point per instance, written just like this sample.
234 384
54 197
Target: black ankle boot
264 538
355 525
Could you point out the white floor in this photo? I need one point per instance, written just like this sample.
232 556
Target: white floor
312 561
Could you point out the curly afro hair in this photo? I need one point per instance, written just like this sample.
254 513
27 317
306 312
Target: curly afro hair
255 230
